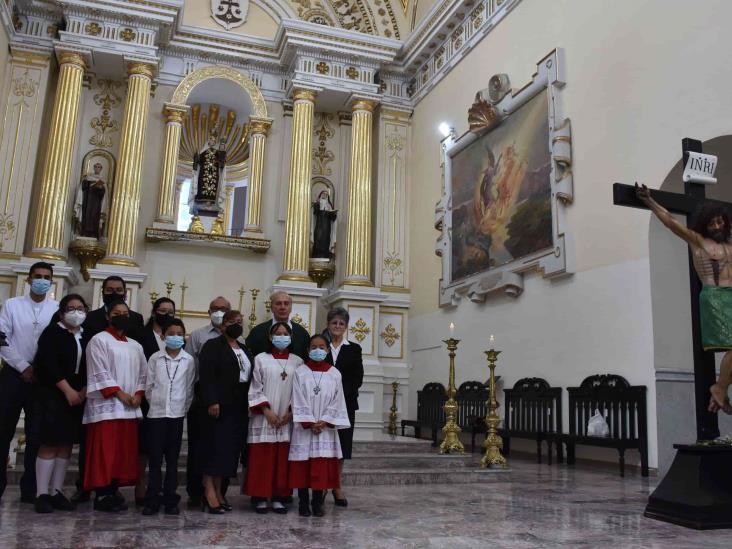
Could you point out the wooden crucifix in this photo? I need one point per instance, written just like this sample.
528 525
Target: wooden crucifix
707 424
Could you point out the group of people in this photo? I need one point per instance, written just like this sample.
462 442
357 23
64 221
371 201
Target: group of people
279 402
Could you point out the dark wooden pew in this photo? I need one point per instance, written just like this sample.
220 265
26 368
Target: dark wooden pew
430 414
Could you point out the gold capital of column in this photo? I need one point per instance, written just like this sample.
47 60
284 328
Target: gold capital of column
363 105
174 115
297 229
72 58
140 68
259 127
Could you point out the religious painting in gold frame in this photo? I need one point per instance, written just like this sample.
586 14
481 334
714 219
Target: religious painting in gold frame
506 184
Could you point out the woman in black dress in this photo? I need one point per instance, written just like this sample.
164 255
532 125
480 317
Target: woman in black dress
346 357
225 370
152 340
60 370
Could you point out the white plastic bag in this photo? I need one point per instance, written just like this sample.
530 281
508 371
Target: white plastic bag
597 426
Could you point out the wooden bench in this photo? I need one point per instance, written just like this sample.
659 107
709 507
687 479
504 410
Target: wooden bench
624 409
472 398
430 414
533 410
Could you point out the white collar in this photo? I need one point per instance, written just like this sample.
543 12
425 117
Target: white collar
179 357
63 326
344 342
37 303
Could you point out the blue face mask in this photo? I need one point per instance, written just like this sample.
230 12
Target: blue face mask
40 286
174 342
318 355
282 342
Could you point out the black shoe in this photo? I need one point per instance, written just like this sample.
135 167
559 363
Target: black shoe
317 503
206 508
120 499
340 502
303 506
61 502
150 510
109 504
226 506
28 498
43 504
279 508
172 510
80 496
194 502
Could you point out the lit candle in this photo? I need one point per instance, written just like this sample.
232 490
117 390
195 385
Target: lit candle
452 330
492 341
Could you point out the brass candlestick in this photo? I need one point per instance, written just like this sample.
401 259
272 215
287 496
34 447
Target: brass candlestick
268 307
393 410
183 288
242 292
169 285
451 441
493 442
154 297
253 315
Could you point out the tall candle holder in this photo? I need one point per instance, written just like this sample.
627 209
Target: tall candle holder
253 315
493 442
154 297
393 409
451 430
169 285
242 292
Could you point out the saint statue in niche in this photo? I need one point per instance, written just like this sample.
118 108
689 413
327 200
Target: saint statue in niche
90 203
208 172
323 234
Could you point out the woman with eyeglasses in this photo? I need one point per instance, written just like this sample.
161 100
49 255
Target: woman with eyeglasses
60 391
225 371
116 375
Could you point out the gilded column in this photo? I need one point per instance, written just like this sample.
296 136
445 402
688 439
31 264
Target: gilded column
297 228
258 129
126 199
358 234
48 236
174 115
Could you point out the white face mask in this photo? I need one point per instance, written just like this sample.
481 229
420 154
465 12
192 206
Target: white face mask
75 318
217 317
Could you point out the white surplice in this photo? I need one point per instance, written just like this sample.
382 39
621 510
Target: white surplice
23 320
309 405
268 387
113 363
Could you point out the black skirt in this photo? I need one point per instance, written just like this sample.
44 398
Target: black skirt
346 435
223 440
59 423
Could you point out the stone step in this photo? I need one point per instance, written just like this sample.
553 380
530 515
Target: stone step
415 461
393 445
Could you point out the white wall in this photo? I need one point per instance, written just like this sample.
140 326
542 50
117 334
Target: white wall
635 88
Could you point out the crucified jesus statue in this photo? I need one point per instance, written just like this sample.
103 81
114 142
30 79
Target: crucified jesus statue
711 249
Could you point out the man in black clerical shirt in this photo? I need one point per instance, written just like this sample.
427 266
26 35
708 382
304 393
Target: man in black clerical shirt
114 288
258 339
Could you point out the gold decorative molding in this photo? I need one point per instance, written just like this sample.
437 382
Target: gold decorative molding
302 94
363 105
93 29
360 330
128 35
352 73
392 266
7 229
299 320
107 99
141 69
71 58
24 85
322 68
257 126
181 93
260 245
390 335
482 115
321 155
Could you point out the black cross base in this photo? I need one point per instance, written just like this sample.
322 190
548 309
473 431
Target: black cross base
697 490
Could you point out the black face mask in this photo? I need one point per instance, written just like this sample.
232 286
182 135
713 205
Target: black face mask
121 322
108 299
163 320
234 330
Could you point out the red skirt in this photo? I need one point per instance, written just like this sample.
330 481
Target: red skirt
111 453
316 473
267 470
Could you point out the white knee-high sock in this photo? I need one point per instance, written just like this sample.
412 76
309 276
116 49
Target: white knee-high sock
44 470
59 474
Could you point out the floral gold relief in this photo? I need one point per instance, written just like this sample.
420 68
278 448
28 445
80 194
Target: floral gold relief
360 330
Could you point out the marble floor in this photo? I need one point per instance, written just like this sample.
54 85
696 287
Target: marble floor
533 506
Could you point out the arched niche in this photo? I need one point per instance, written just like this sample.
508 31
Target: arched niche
670 302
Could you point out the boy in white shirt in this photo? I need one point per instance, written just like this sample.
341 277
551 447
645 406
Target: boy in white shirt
171 374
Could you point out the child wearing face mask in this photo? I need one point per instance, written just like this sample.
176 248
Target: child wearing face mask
60 368
171 374
319 409
270 422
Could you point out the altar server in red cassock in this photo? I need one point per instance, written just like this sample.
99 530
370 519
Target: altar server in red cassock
319 410
116 372
270 423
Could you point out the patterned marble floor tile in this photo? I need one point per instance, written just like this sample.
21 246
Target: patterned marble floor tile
535 506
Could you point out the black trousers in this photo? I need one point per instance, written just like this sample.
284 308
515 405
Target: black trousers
17 395
164 436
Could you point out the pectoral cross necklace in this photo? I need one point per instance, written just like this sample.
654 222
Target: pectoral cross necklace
283 374
316 389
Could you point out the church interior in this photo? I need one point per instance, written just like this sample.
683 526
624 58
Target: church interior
441 169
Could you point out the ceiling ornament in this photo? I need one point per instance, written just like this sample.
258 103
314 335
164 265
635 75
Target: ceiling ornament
229 13
201 121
